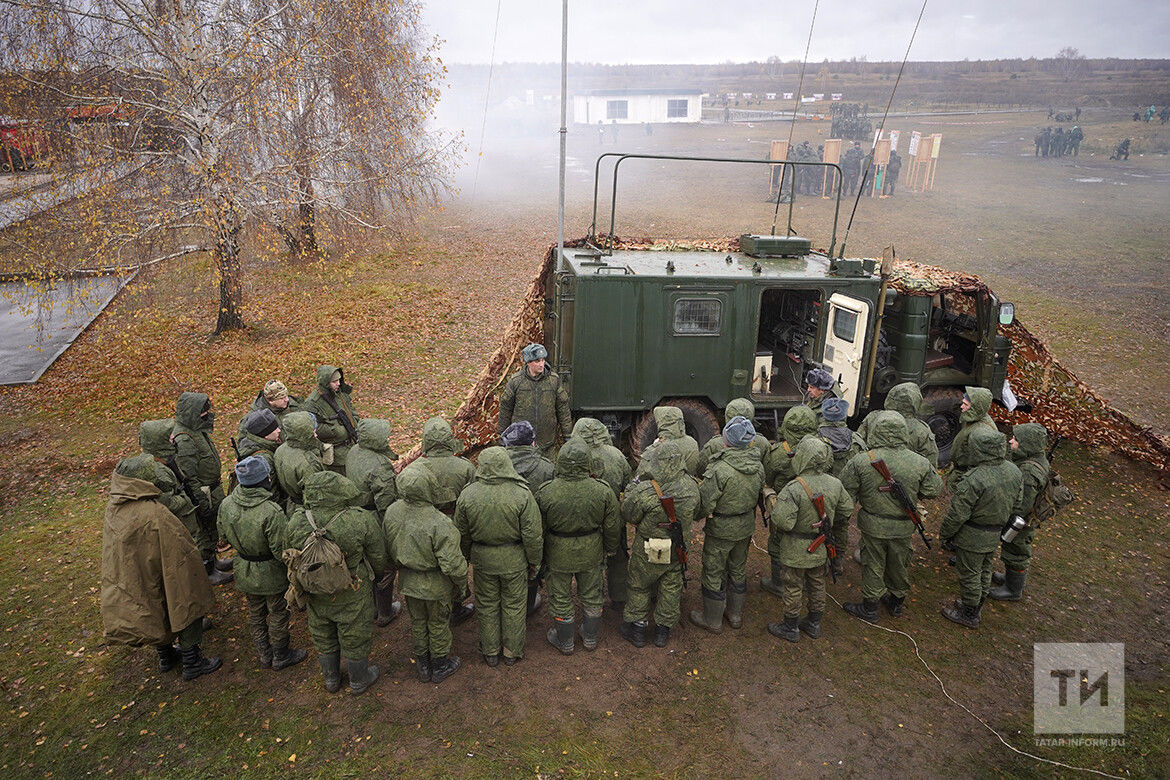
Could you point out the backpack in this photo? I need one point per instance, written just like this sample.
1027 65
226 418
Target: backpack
1053 497
319 566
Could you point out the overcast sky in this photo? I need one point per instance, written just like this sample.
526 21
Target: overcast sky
707 31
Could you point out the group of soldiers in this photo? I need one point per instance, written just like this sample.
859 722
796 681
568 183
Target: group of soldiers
1058 143
810 179
319 515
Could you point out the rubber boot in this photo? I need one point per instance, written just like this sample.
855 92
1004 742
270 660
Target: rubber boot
283 656
866 610
590 628
963 615
208 624
443 667
214 575
772 584
635 633
661 635
168 657
893 604
711 617
736 595
811 625
997 578
195 664
492 660
264 652
789 629
423 662
386 606
1013 589
462 613
331 670
560 635
225 564
361 675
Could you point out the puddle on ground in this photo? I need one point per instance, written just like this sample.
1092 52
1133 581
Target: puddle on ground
1090 181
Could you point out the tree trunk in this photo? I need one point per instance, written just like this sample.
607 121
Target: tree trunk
227 256
308 217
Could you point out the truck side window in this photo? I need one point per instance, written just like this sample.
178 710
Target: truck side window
845 324
697 317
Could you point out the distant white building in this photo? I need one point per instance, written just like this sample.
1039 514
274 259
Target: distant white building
637 106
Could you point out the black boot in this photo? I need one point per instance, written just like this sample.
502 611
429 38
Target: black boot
963 615
264 653
283 656
893 604
331 671
635 633
773 584
736 595
214 575
997 578
361 675
590 628
462 613
661 635
789 629
225 564
811 625
195 664
387 608
1013 589
561 636
443 667
866 610
423 662
168 657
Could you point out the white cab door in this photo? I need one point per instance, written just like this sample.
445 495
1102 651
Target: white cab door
845 343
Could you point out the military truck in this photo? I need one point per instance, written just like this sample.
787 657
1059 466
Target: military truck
632 328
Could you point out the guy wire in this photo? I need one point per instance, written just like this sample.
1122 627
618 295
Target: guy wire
792 125
486 97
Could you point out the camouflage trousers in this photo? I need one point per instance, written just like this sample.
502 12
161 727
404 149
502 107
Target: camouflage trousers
724 562
502 608
343 621
974 570
430 626
1017 553
268 619
616 571
885 567
191 635
560 592
797 582
647 579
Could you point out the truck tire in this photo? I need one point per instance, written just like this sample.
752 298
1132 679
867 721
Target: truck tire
944 403
698 417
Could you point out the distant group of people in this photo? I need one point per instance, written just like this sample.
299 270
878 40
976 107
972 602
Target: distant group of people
319 517
810 179
1149 113
1058 143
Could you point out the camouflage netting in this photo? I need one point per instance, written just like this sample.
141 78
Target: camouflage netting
1061 402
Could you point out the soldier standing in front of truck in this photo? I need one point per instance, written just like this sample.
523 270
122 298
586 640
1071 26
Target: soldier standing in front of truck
534 393
973 413
821 388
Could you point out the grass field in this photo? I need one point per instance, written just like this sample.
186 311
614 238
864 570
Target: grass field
1079 244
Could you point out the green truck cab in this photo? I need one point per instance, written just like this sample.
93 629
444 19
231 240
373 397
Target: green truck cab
632 328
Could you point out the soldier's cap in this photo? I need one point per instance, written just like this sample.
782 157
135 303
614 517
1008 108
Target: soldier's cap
260 422
835 409
519 433
275 390
533 352
252 470
820 379
739 432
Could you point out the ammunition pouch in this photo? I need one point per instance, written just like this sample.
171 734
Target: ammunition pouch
657 550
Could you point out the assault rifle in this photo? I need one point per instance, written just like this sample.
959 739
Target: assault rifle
534 585
674 528
826 531
894 487
1052 450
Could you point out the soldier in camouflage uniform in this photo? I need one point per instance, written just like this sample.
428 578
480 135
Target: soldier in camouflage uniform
642 508
906 400
736 407
1027 448
580 518
332 404
534 393
610 466
261 437
370 466
973 414
199 462
298 457
672 427
424 544
154 436
254 524
727 497
342 623
500 534
519 440
273 398
799 422
980 508
795 525
886 529
843 443
821 387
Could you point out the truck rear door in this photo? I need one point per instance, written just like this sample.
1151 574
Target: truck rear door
845 343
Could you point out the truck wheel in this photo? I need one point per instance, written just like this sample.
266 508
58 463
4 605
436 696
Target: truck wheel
943 420
698 417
